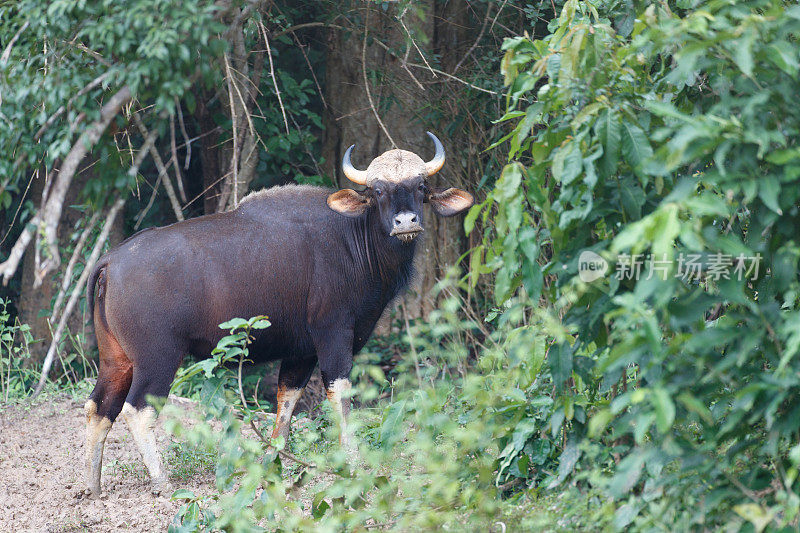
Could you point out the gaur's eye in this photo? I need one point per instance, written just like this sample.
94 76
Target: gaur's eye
378 193
422 187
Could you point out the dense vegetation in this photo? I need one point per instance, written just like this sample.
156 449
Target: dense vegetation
615 342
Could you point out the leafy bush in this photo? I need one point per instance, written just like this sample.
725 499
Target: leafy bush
454 436
665 134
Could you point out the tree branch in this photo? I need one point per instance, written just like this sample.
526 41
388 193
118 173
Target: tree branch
162 170
76 293
366 82
51 214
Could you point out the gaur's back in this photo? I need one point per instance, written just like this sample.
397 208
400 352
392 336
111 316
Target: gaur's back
257 259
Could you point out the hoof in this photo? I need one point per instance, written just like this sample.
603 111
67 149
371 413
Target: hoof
161 488
91 494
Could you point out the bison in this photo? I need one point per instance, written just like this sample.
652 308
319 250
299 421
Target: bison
322 264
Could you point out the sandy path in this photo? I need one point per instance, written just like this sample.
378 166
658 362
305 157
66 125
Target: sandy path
42 471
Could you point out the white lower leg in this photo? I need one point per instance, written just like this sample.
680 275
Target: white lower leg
97 429
141 423
338 393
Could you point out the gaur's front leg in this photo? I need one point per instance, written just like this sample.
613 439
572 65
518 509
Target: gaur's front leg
335 354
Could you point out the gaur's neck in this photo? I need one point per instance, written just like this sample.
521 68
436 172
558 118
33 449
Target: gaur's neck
382 257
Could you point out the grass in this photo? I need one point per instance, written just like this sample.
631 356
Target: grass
185 462
119 470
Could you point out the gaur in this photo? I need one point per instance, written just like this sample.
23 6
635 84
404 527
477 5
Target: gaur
321 264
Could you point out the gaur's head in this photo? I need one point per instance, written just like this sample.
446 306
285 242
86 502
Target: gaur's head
396 185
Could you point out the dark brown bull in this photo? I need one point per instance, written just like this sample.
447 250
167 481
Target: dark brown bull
287 252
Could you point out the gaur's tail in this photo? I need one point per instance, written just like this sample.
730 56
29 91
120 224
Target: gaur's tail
98 271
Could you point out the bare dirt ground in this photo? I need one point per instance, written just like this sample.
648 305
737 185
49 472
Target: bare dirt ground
42 473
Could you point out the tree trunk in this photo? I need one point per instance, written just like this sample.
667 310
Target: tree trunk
403 97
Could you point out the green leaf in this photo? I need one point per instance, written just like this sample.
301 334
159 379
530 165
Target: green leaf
566 463
627 474
508 186
609 131
233 323
472 216
743 51
560 359
636 148
755 514
567 163
768 191
183 494
784 56
664 408
319 506
599 422
694 405
391 430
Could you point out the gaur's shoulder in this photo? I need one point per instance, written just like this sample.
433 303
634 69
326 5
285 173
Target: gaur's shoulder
287 204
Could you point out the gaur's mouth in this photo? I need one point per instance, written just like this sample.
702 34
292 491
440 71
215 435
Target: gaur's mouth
407 234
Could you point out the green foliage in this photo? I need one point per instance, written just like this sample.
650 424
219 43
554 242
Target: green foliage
70 54
19 373
186 462
437 447
230 348
668 132
15 378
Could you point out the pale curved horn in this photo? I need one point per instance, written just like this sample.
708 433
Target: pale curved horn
352 173
435 165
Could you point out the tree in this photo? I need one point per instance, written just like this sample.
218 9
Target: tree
388 81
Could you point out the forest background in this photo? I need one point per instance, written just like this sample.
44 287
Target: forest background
626 128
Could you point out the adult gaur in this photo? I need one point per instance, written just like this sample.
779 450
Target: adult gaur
286 252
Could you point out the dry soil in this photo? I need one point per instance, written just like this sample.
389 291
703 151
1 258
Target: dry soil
42 473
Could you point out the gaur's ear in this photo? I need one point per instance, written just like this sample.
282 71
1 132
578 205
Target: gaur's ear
348 202
450 202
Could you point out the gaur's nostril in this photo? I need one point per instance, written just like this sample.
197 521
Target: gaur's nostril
406 218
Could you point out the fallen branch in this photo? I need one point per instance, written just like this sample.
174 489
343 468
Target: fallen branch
223 201
149 140
478 39
9 266
76 293
143 213
34 175
91 85
7 51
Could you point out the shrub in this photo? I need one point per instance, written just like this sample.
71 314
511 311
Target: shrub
664 132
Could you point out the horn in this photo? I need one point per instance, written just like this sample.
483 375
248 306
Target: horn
352 173
435 165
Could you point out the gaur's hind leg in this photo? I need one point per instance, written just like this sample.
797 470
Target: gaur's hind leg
105 403
150 378
292 380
